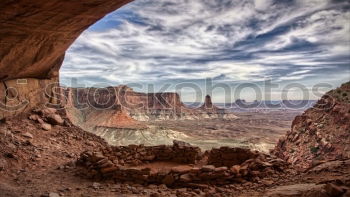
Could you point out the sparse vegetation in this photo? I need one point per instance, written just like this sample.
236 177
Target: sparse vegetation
341 94
314 149
302 130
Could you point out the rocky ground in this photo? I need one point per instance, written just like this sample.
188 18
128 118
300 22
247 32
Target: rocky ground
320 133
37 161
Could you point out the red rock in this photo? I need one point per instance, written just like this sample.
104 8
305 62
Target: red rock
41 121
235 169
27 135
46 126
109 169
48 111
179 170
243 170
226 156
118 119
221 169
34 117
55 119
33 50
168 180
334 190
185 178
208 168
309 190
255 173
319 131
208 103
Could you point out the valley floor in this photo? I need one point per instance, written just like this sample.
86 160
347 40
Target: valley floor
255 130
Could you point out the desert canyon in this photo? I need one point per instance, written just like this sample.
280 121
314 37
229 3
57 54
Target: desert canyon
57 141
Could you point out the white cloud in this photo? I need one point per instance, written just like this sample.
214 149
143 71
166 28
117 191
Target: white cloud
196 39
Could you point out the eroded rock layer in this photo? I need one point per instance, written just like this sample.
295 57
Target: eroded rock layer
23 95
139 106
321 133
34 35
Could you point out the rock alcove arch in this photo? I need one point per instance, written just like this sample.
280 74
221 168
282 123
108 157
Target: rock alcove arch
34 36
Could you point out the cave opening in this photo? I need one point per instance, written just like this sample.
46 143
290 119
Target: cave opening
149 73
170 98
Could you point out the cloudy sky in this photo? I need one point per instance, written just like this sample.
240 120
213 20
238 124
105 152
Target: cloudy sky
227 41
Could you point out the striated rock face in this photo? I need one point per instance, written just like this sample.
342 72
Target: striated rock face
124 97
23 95
120 120
34 35
140 106
321 133
122 116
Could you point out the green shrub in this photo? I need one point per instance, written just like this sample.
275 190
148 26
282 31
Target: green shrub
314 149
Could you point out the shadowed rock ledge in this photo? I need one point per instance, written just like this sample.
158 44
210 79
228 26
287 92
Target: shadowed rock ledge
34 35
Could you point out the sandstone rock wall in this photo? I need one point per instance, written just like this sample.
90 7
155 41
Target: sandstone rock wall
226 156
34 35
127 164
138 154
22 95
141 106
113 97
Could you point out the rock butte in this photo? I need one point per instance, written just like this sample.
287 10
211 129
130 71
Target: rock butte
136 105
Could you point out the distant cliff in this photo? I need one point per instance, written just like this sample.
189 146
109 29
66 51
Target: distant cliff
87 105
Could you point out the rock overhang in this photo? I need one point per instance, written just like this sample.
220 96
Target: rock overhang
34 35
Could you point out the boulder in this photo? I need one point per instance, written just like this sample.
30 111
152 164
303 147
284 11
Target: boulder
178 143
55 119
53 194
46 126
226 156
185 178
34 117
298 190
27 135
48 111
208 168
334 190
235 169
168 180
221 169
